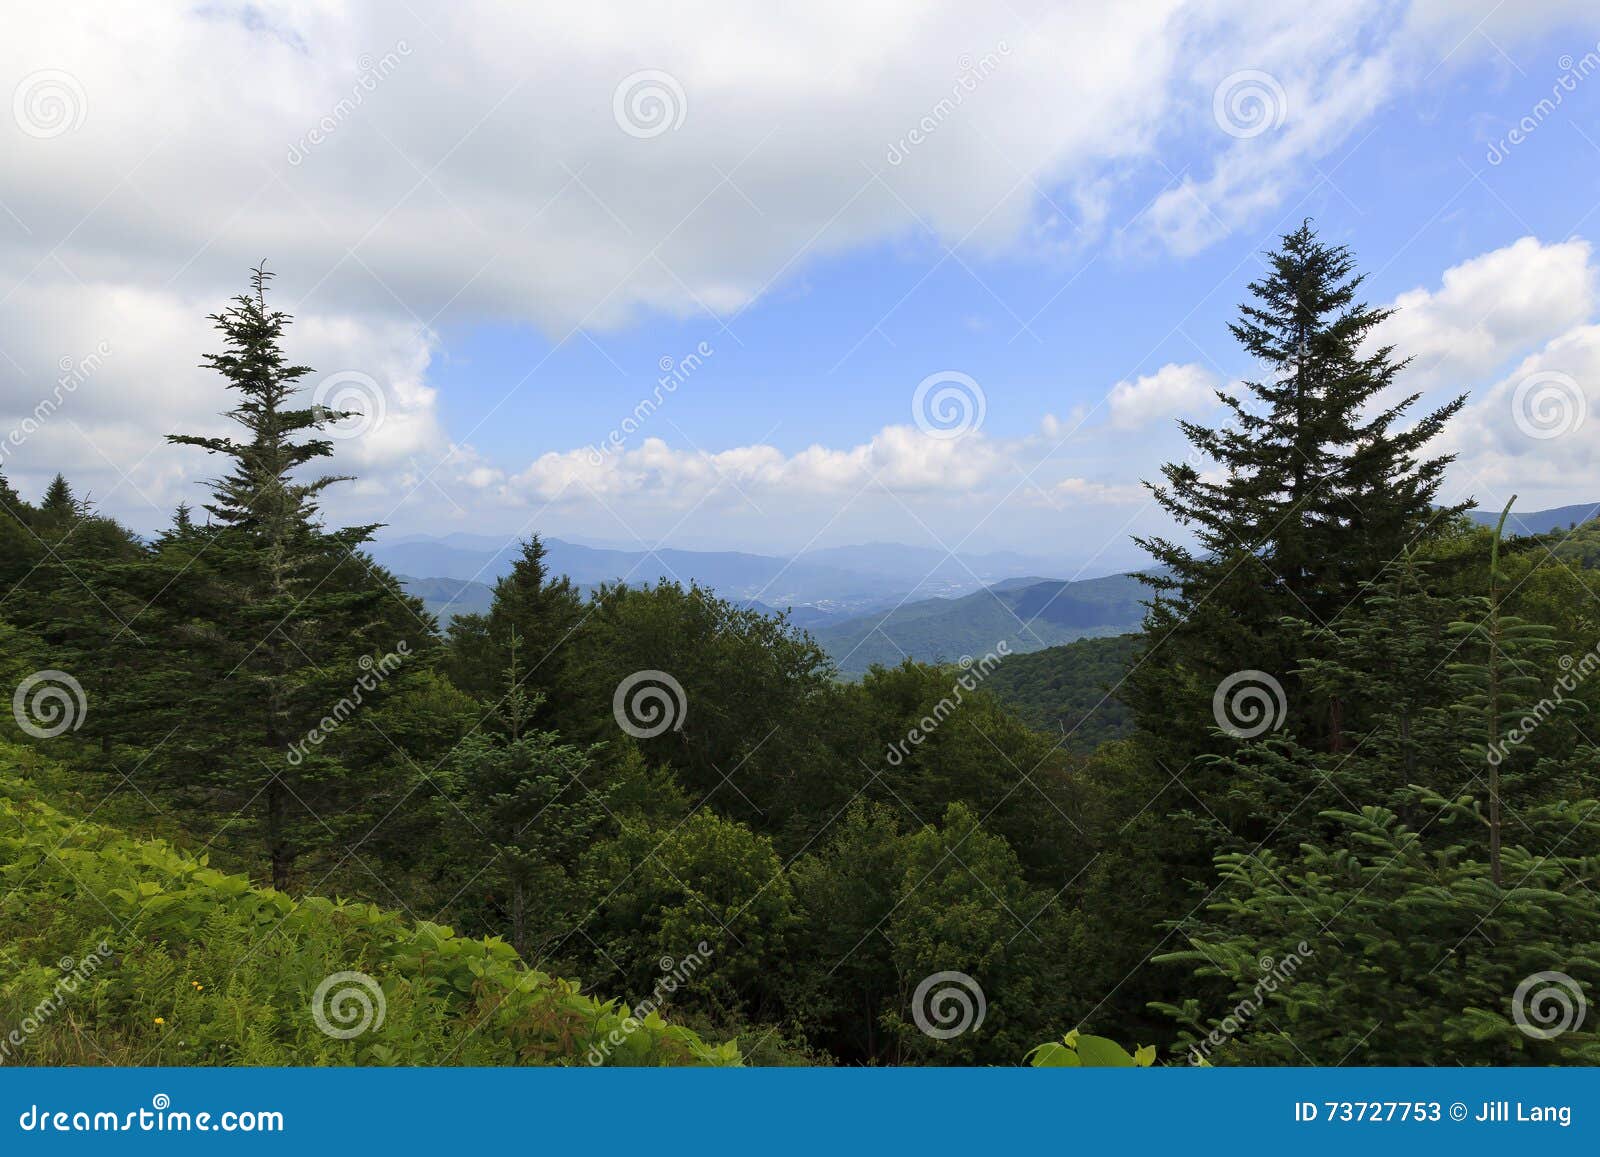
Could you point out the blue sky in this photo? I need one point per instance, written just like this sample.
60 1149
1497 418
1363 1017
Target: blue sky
833 350
480 234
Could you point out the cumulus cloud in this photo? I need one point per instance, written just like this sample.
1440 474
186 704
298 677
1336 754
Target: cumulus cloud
105 371
1533 430
1491 309
578 165
900 459
1171 391
589 166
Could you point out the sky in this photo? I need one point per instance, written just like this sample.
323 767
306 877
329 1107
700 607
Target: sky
776 278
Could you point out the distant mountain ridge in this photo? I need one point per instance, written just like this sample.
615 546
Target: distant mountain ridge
1539 521
1026 617
445 598
832 581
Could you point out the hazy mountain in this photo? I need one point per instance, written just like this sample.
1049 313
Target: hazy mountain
446 597
1027 617
913 565
848 580
1538 521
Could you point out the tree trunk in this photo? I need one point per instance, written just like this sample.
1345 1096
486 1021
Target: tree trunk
277 838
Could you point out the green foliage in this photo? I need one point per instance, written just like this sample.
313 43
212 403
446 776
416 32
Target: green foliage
281 620
663 891
1322 484
1406 950
204 969
1070 691
1081 1051
886 909
794 860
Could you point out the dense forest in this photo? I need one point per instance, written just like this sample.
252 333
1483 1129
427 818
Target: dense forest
1335 804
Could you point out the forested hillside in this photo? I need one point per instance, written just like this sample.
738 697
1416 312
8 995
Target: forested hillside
1334 803
1071 690
1026 615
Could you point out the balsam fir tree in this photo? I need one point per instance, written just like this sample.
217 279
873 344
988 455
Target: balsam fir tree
1319 486
281 618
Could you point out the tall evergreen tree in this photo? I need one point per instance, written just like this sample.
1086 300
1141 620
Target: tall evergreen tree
535 613
60 507
277 610
1320 488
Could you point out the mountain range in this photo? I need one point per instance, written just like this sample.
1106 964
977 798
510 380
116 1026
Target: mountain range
1538 521
834 581
865 604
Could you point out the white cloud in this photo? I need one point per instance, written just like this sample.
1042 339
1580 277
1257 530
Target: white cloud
1491 309
900 459
473 165
471 168
1171 391
1533 431
1087 491
140 380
